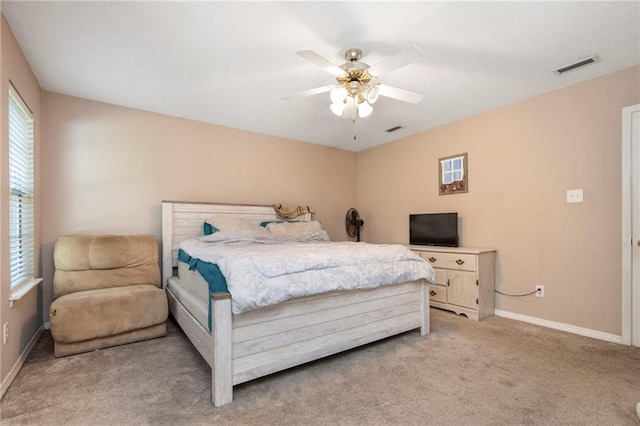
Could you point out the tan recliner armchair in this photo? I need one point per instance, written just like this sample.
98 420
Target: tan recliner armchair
106 291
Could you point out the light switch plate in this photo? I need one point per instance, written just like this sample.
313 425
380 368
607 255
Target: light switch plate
575 196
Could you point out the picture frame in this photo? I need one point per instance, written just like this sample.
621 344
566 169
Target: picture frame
453 174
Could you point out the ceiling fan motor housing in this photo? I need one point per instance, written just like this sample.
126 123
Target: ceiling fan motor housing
353 54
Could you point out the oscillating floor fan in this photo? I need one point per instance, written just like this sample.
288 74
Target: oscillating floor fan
353 223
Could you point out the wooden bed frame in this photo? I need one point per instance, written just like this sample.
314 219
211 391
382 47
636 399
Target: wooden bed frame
253 344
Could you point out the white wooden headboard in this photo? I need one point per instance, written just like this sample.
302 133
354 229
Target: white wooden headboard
182 220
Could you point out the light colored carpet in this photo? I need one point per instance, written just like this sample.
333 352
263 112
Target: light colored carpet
493 372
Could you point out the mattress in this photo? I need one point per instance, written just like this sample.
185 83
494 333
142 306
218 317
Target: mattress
263 270
193 282
191 290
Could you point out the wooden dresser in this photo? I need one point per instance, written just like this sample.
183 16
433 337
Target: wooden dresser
464 279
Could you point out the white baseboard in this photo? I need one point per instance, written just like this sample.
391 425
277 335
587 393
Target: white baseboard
20 362
560 326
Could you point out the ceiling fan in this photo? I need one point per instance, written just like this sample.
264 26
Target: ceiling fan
356 87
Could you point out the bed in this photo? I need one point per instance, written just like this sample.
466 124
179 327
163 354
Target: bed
244 346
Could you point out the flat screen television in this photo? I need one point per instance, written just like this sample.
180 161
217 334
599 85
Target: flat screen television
434 229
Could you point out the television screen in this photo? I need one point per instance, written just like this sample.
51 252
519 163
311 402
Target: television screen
434 229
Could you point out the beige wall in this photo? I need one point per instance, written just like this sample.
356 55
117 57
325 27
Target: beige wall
24 317
522 159
107 168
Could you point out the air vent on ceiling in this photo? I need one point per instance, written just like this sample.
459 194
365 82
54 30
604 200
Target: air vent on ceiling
393 129
581 63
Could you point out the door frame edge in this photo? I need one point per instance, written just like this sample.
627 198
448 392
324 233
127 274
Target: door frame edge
627 236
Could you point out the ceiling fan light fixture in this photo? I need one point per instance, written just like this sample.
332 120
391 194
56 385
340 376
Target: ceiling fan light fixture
338 94
338 108
348 108
354 87
349 102
364 109
372 94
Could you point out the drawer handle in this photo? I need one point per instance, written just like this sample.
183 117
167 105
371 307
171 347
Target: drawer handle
432 259
433 293
459 261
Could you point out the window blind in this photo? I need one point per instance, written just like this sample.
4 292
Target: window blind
21 211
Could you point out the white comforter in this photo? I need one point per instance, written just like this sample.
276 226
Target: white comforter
262 270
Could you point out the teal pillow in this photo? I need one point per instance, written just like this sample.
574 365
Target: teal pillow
264 224
209 228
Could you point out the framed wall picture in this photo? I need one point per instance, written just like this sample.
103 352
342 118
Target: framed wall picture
453 176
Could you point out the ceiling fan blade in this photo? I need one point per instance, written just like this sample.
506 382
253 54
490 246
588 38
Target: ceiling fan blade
401 59
400 94
326 65
309 92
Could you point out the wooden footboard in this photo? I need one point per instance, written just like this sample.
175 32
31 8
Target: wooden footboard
260 342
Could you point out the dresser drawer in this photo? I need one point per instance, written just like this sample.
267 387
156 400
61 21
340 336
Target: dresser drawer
438 293
463 262
437 260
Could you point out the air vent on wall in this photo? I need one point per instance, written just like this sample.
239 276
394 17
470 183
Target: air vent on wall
393 129
581 63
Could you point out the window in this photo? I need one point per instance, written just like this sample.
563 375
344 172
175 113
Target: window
452 169
21 212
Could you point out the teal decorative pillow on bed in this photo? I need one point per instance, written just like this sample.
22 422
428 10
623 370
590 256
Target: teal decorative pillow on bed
264 224
209 228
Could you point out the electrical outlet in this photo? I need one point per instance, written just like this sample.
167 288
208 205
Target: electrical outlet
5 333
539 291
575 196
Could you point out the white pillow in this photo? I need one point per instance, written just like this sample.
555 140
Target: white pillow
235 224
293 228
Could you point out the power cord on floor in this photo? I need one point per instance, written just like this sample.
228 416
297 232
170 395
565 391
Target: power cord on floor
516 295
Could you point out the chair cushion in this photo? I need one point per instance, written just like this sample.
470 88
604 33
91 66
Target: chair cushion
89 262
98 313
66 282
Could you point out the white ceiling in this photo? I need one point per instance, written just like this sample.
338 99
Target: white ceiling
229 63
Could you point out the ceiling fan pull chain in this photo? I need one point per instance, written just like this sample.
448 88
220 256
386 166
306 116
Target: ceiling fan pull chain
354 111
353 116
354 129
